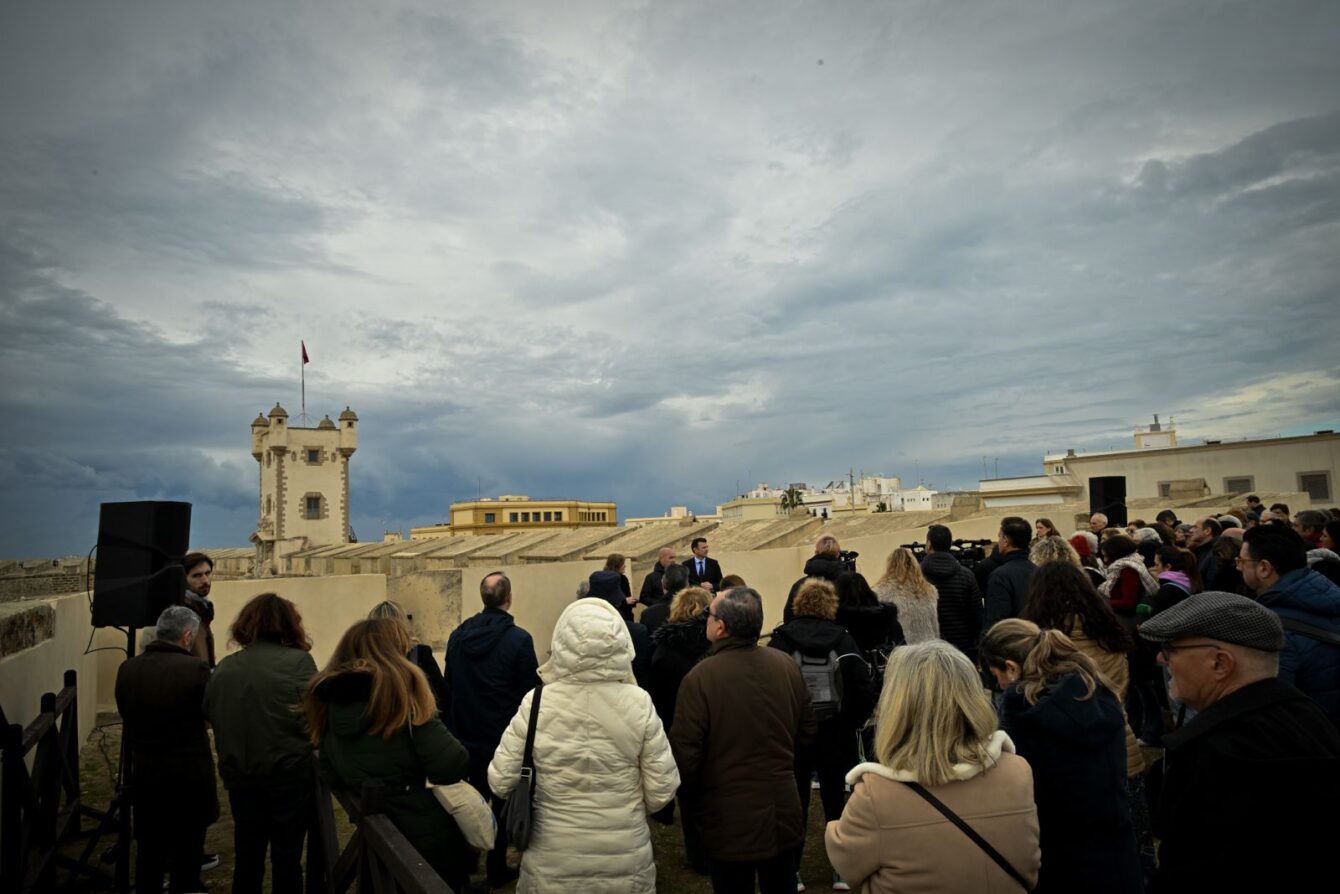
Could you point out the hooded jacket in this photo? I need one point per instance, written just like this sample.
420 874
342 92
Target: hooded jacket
1309 664
1007 588
602 762
490 666
826 567
402 762
959 607
1076 746
816 638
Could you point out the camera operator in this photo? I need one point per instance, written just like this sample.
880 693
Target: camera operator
960 604
828 561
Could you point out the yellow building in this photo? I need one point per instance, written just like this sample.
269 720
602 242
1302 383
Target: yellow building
511 513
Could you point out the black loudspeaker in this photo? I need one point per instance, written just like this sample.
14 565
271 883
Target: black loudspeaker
139 573
1108 496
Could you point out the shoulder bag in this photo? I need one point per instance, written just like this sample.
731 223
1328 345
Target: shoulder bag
518 812
970 832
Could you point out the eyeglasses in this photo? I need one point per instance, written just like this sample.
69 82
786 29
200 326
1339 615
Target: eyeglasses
1168 648
1240 561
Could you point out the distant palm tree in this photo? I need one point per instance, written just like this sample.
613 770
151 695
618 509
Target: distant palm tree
792 499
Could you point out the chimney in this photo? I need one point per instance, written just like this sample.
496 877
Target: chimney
1156 426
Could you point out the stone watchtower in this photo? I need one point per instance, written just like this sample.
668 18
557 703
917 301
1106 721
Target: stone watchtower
304 484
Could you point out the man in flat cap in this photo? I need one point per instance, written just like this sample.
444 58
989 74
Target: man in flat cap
1244 779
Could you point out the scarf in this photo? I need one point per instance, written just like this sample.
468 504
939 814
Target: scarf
1177 577
998 743
1137 564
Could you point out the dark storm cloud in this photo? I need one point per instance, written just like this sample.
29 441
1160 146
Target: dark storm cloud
647 252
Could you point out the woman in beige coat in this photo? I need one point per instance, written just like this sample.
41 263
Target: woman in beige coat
937 729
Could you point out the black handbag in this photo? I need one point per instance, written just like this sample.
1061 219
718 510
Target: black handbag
518 812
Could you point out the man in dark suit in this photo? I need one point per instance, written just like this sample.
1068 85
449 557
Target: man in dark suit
703 572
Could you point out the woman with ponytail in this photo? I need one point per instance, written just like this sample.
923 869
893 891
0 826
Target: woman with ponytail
1065 719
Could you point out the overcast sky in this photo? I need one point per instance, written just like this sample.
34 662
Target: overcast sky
648 251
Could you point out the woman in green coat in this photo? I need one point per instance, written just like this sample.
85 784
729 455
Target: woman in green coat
372 717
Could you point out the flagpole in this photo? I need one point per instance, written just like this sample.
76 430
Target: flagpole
302 368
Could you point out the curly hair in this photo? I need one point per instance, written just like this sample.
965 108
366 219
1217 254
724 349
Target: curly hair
272 618
1053 548
688 603
1061 597
901 572
816 598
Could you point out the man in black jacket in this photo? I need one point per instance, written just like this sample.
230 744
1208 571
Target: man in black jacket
1007 587
490 666
652 591
959 606
161 696
1244 781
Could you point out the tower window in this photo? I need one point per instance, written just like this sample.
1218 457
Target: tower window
312 505
313 456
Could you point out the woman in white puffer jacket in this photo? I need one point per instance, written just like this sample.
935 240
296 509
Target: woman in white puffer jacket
602 762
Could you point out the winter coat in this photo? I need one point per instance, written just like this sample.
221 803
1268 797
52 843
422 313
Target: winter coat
402 762
1170 593
203 644
890 839
1116 668
160 694
654 616
641 639
816 638
741 715
253 701
826 567
1310 664
422 657
678 647
1205 561
1249 776
1007 588
490 666
652 592
601 762
959 608
872 626
1076 747
919 615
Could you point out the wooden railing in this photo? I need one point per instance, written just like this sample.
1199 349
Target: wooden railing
41 809
378 856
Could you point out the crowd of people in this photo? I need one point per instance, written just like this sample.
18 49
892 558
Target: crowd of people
1152 706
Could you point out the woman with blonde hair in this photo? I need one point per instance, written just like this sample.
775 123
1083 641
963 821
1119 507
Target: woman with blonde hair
905 588
601 759
1066 720
420 653
1052 549
937 736
372 716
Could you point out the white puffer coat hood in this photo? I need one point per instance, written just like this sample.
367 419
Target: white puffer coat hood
591 643
602 762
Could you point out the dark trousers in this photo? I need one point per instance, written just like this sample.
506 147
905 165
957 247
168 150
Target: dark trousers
275 817
831 756
163 846
776 875
495 864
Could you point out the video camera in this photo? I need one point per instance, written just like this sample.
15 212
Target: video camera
848 559
967 552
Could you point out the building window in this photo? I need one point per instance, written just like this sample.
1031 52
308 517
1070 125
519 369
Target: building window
1240 485
525 516
490 518
1165 488
313 456
548 516
267 459
511 517
558 516
269 504
311 506
1317 485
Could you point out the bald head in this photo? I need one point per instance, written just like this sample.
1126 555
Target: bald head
666 558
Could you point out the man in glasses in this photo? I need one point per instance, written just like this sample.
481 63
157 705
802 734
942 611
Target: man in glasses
1243 779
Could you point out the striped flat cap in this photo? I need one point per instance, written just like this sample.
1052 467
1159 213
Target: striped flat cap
1226 617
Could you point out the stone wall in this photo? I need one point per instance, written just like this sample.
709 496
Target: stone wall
30 586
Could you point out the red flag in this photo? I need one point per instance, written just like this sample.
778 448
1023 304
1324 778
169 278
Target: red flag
304 353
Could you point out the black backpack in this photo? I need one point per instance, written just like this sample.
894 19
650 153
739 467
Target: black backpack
823 679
